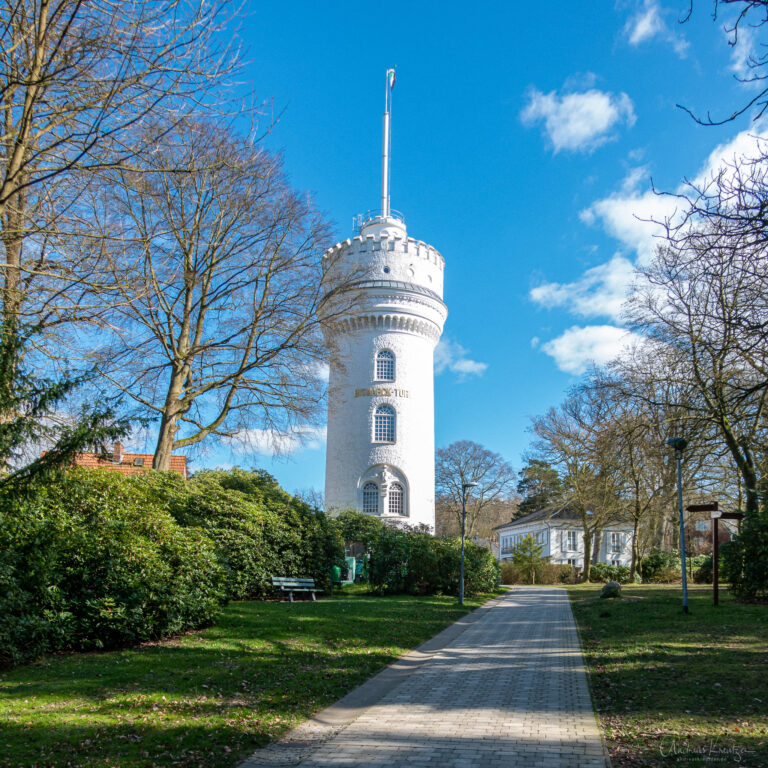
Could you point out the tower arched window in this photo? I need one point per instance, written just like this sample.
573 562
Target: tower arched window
396 499
385 365
371 499
384 424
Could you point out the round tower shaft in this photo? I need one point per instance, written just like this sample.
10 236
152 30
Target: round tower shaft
383 317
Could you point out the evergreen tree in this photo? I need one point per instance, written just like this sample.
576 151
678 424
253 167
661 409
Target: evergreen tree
539 485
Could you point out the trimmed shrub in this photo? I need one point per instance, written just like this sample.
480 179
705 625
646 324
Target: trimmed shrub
745 559
605 572
509 573
658 566
702 567
548 573
665 576
563 574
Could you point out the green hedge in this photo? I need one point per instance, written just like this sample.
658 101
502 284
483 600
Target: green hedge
100 560
546 573
405 559
605 573
90 562
260 530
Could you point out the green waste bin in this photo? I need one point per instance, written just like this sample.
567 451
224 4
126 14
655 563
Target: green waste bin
336 574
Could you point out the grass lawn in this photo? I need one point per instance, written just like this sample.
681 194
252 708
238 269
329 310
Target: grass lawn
208 698
676 690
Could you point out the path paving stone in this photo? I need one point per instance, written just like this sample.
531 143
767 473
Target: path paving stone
509 691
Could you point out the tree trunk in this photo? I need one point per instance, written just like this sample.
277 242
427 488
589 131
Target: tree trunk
169 423
10 315
587 537
635 553
743 458
598 543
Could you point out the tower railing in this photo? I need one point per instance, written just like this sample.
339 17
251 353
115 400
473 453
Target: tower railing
361 219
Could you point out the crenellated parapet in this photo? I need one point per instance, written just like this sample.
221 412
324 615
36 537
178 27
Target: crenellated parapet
385 253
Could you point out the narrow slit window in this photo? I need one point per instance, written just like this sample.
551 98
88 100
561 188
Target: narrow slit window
384 424
385 366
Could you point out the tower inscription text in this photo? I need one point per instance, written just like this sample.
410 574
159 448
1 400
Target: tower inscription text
381 392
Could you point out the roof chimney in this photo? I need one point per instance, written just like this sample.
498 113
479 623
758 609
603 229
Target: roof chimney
117 453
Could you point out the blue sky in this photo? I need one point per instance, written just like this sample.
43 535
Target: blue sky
525 138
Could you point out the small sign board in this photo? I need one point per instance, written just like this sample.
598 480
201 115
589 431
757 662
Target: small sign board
712 507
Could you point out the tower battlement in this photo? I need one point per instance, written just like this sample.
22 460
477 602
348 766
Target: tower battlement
385 256
418 249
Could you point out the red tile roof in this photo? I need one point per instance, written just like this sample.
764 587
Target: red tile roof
128 465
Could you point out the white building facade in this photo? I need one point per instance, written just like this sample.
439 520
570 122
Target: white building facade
561 535
382 321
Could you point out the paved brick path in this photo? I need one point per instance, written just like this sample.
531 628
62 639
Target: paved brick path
509 691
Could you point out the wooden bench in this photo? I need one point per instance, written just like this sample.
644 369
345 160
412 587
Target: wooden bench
290 585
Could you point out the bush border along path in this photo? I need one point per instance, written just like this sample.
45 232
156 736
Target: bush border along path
676 690
209 698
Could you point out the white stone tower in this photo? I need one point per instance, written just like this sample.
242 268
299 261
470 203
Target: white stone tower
382 320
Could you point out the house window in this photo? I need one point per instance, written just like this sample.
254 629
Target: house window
384 424
616 542
396 496
572 561
385 366
572 543
371 499
615 562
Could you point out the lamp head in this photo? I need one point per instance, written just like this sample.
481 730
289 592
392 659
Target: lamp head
466 486
678 443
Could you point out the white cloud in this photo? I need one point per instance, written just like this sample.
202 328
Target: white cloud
578 122
273 442
451 356
744 52
649 24
599 292
579 347
630 214
744 145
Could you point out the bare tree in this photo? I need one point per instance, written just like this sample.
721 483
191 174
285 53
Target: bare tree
703 302
572 438
752 14
467 462
216 333
76 78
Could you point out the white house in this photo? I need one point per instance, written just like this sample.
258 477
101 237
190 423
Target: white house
560 532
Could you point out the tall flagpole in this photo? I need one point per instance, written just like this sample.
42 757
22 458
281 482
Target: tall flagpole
390 82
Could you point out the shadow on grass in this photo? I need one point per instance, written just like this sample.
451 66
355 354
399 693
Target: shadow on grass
207 698
675 689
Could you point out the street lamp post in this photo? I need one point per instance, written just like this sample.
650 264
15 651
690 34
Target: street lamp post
464 488
678 443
